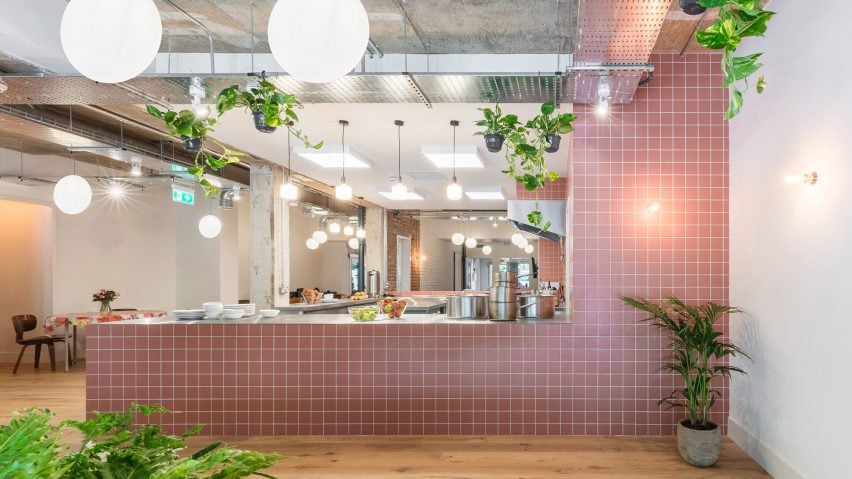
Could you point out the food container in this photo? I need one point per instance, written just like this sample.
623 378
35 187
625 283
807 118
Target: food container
467 306
397 308
364 313
536 306
504 278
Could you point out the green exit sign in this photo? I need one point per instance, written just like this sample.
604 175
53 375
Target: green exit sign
183 196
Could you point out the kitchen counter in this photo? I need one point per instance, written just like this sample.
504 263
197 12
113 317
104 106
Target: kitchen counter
344 319
339 306
426 304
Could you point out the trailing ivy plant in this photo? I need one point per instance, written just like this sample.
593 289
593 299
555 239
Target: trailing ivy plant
278 110
186 124
526 145
114 447
738 19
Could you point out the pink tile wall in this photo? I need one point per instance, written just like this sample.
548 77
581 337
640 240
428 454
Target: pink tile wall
596 376
669 146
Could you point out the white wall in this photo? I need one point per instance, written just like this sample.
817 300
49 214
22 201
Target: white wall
436 263
791 263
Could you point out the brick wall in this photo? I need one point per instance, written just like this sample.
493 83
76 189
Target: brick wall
403 226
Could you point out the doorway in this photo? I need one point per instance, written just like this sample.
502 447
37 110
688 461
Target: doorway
403 263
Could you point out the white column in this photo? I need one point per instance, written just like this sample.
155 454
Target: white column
269 238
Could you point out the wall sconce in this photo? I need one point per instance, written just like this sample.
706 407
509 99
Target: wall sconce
808 178
653 208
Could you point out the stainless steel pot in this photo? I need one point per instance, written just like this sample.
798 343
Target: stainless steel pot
502 311
502 278
502 294
536 306
467 306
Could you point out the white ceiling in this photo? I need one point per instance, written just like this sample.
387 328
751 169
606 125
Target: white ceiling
372 133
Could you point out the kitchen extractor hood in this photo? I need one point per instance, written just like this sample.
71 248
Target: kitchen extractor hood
551 210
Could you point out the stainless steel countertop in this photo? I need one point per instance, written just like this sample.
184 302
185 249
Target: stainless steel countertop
310 308
343 319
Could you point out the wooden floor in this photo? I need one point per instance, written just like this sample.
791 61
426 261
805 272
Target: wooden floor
415 456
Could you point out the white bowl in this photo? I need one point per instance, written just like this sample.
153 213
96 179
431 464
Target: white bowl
269 313
232 313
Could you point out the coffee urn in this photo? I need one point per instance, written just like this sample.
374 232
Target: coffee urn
374 281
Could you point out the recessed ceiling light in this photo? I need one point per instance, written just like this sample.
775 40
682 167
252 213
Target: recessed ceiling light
485 195
442 156
409 195
330 157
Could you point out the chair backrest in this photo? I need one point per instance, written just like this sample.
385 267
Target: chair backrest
23 323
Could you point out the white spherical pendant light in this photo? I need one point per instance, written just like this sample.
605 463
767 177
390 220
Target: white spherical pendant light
454 191
72 194
210 226
111 41
289 191
517 238
486 249
457 239
348 230
523 243
320 236
361 233
332 37
343 191
399 191
312 243
353 243
470 242
334 227
529 249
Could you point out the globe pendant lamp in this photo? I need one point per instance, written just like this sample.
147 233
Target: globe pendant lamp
353 243
320 236
348 230
289 190
72 194
312 243
529 249
517 238
454 190
457 239
486 250
361 233
332 37
111 41
334 227
343 191
398 190
210 226
470 243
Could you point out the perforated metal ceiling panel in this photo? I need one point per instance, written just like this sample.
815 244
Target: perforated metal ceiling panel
619 31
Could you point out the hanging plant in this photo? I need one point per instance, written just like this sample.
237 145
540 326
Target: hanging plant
526 145
497 127
738 19
270 108
192 129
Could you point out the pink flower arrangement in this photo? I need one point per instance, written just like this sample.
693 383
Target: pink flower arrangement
105 295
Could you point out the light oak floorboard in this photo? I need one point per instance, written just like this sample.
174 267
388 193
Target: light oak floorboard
589 457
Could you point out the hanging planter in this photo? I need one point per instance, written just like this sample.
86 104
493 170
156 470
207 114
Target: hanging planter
190 144
260 123
497 127
494 142
552 140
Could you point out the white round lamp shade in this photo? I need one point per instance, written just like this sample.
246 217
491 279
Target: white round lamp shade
353 243
210 226
361 233
486 249
343 192
334 227
320 236
289 191
523 243
318 41
312 243
348 230
470 242
517 238
457 239
528 249
72 194
399 190
454 191
111 41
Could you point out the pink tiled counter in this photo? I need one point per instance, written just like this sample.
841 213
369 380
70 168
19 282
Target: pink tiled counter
391 378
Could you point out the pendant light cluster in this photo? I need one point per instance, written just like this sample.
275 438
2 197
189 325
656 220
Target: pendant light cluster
319 236
522 243
459 239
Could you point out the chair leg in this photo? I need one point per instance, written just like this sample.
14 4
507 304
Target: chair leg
37 355
20 355
51 350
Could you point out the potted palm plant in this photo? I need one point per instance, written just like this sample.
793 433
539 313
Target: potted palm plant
497 127
698 353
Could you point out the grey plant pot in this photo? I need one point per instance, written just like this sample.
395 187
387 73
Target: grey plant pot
699 447
260 123
494 142
190 144
691 7
554 143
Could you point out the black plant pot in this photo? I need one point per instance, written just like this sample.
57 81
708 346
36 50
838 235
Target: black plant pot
191 144
691 7
260 124
494 142
554 140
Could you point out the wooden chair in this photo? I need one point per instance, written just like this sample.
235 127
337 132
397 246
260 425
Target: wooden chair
27 322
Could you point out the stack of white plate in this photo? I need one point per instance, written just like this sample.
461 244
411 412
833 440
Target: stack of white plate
248 309
189 313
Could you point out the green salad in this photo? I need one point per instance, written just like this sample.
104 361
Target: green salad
365 313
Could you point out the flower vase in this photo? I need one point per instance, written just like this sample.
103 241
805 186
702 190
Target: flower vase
105 307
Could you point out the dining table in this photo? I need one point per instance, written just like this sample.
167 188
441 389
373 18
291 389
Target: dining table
70 321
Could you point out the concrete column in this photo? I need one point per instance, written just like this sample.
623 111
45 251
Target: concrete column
269 238
376 242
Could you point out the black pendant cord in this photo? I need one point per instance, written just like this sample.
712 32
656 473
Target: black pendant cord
343 125
455 124
399 152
